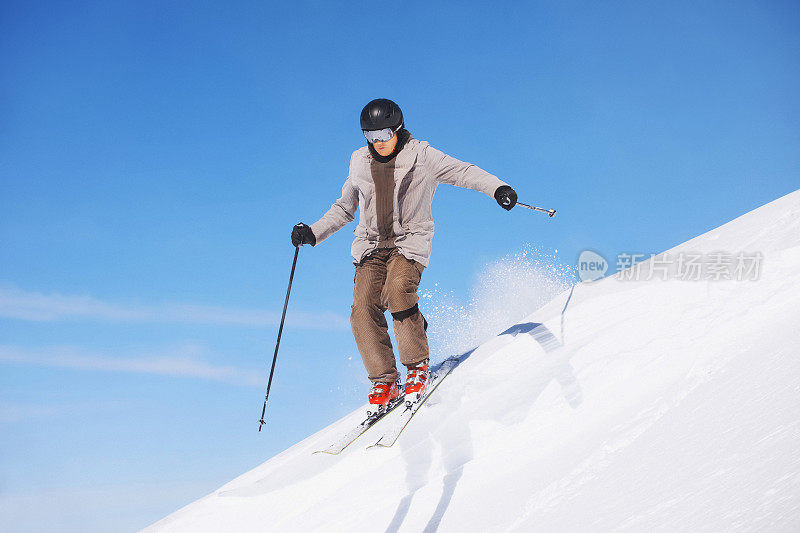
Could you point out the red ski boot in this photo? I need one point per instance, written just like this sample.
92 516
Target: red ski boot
417 378
383 393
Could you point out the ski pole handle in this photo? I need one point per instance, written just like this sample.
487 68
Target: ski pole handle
550 212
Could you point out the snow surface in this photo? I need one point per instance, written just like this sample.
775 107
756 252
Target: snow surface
634 405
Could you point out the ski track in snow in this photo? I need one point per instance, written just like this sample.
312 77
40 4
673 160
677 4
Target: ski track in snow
619 405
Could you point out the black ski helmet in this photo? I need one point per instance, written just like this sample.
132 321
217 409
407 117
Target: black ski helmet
380 114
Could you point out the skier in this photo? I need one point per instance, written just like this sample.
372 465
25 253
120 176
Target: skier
391 181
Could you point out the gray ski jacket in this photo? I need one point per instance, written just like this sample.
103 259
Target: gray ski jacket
419 169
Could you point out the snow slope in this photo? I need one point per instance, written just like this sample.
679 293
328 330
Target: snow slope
621 404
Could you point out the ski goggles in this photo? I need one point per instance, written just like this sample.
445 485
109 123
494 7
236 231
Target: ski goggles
383 135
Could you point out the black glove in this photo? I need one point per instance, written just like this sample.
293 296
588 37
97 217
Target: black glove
302 234
506 197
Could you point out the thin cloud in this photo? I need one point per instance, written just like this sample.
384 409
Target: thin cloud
17 412
11 412
183 361
39 307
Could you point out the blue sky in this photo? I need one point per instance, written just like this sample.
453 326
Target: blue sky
154 156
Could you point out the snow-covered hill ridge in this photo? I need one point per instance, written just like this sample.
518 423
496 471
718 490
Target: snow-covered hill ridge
622 404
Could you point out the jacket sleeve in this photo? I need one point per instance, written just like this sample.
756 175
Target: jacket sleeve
446 169
341 212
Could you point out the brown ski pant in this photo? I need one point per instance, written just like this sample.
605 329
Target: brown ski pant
387 280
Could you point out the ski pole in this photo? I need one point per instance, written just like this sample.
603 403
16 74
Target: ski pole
551 212
278 343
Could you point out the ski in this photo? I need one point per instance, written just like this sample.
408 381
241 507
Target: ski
372 418
400 422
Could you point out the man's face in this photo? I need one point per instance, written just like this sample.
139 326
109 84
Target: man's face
385 148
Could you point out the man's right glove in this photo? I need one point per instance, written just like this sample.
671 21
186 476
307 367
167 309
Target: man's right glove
302 234
506 197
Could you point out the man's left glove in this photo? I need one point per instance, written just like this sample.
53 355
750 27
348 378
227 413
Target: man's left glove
302 234
506 197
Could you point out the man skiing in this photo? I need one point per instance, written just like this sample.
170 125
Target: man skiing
391 182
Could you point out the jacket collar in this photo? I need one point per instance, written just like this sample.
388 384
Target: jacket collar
405 160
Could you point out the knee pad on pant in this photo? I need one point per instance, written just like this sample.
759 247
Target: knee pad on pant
411 311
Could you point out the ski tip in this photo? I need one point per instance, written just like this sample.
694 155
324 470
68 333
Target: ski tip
324 452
